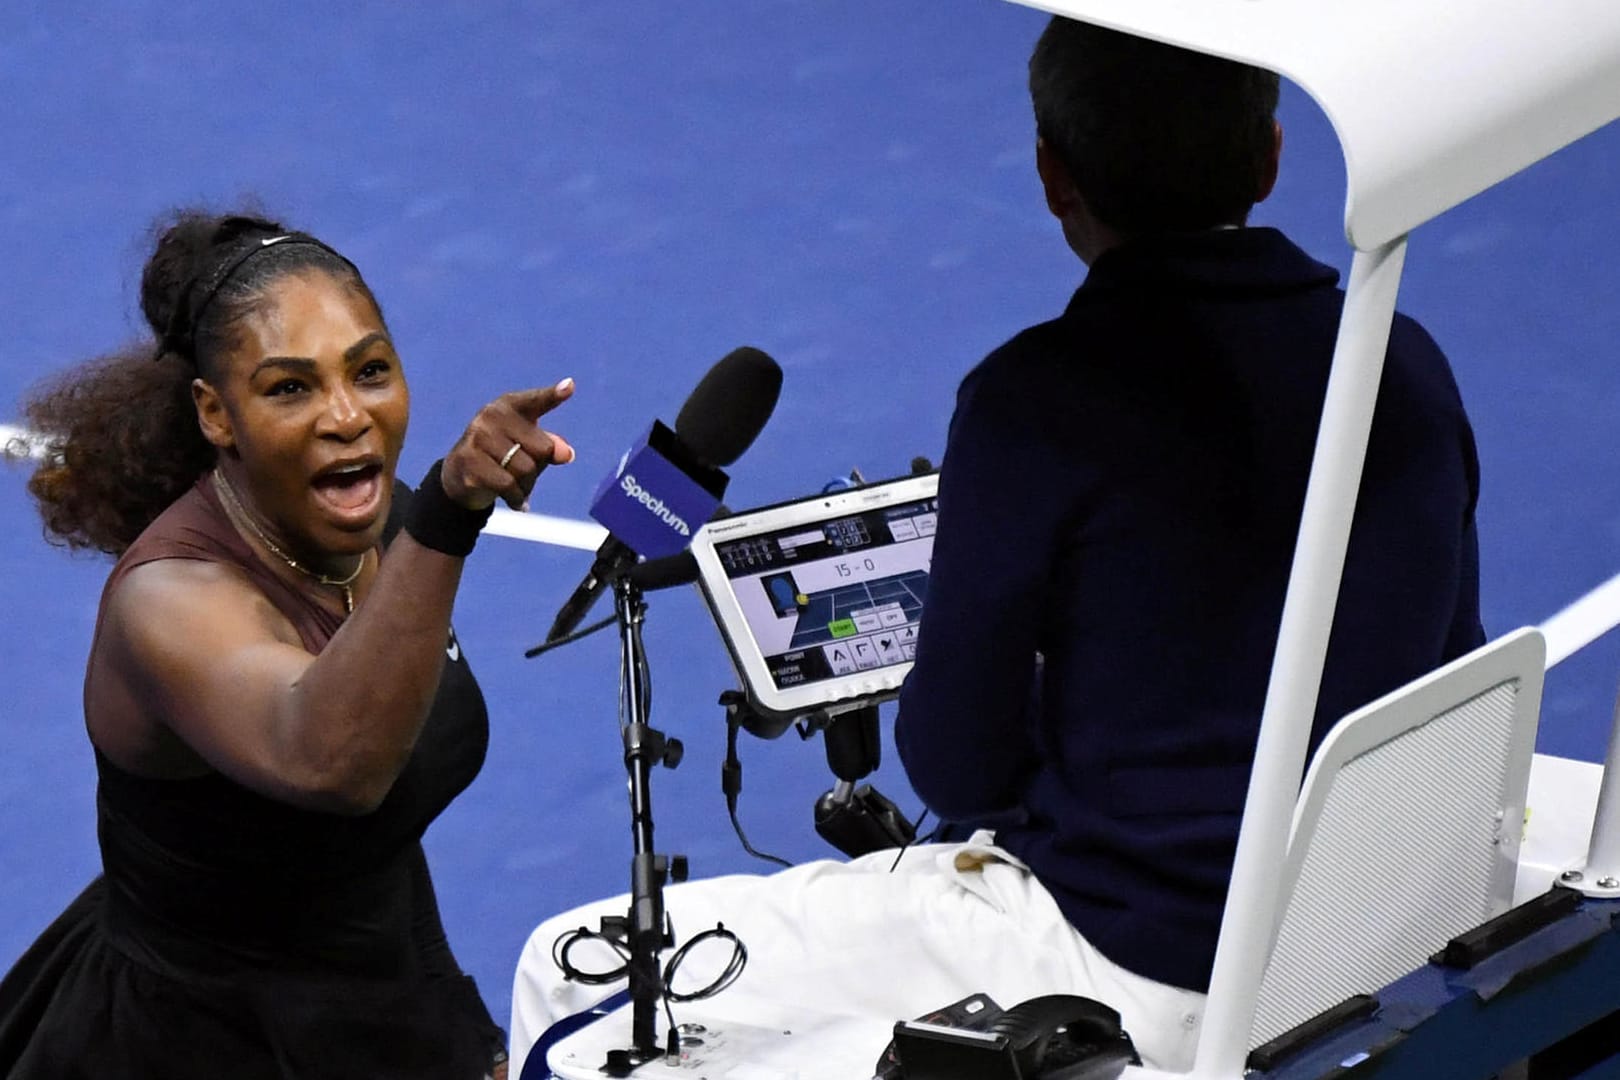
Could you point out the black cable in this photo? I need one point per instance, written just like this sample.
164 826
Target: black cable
731 784
672 1040
566 941
643 668
728 975
733 969
746 846
916 827
570 638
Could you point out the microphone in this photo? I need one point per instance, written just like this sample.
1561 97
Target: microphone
674 570
669 480
666 573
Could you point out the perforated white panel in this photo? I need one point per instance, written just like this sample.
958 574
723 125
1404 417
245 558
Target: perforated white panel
1404 857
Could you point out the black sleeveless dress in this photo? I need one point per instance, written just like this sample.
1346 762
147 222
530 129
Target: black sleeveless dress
233 935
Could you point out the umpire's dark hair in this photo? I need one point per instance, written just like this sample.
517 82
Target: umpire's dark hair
1157 138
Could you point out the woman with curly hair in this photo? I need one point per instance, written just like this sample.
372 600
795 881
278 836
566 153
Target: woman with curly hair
276 700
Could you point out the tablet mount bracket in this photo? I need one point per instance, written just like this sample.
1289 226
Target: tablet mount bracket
852 816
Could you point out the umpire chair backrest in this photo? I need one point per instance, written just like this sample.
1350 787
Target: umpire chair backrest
1407 831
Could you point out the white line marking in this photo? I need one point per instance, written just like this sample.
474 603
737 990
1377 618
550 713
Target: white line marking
1583 622
19 444
546 529
1567 632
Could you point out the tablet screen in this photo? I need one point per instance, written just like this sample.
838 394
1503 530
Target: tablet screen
827 592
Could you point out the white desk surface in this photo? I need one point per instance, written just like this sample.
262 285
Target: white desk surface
767 1044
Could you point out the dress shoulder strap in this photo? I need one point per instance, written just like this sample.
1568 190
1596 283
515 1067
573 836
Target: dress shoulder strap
195 526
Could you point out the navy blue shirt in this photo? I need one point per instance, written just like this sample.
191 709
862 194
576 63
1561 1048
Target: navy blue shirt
1119 500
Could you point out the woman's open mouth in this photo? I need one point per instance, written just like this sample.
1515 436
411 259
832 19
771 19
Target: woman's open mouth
350 490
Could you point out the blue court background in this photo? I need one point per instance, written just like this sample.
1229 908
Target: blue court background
623 191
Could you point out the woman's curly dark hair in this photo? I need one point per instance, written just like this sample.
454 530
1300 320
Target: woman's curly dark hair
121 431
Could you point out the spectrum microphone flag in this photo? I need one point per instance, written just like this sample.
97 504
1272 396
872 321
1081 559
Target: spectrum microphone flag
659 495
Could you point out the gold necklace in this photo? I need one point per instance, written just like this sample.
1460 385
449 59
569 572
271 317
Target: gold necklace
238 513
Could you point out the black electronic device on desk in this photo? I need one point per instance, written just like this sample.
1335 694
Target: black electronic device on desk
818 601
1055 1037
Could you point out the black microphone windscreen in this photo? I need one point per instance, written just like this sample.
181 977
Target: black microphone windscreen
664 573
729 407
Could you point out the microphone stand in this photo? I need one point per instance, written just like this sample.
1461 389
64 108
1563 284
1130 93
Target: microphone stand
644 928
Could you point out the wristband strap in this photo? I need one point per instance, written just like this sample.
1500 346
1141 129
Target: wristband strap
437 521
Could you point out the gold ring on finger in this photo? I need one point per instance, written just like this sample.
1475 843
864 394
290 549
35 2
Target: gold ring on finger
506 458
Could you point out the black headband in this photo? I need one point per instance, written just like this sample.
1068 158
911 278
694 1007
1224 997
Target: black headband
199 292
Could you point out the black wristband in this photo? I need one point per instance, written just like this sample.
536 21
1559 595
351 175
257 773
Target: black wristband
437 521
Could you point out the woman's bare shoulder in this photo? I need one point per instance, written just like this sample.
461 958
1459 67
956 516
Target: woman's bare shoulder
191 601
167 627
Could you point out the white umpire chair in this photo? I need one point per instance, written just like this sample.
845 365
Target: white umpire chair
1433 103
1406 833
